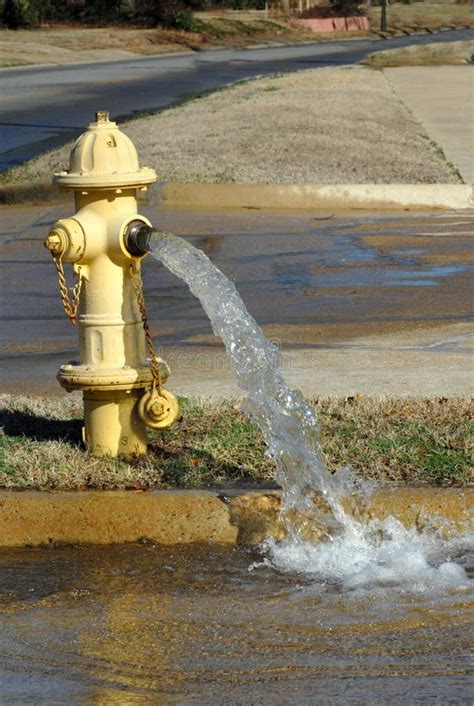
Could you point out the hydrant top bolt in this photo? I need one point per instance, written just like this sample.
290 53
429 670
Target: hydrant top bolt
102 116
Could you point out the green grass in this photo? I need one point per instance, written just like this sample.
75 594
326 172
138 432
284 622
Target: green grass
6 63
215 445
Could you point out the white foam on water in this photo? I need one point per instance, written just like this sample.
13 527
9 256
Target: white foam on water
373 555
355 554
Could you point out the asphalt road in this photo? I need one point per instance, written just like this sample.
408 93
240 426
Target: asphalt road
44 106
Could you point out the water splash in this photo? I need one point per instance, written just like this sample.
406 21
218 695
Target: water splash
376 555
290 429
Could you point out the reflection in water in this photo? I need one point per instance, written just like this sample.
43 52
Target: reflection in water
139 623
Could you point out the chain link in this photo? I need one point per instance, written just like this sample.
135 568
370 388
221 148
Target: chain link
154 364
71 306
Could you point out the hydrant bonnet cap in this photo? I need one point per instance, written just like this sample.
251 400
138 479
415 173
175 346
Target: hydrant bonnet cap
103 157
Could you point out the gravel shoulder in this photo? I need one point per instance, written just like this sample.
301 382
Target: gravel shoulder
324 126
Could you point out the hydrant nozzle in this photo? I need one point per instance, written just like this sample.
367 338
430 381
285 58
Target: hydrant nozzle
122 389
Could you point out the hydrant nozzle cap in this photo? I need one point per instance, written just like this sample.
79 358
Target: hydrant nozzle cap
104 157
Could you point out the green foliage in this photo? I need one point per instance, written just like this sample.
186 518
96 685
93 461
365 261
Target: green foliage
149 13
28 13
345 8
167 13
104 11
18 13
240 4
336 8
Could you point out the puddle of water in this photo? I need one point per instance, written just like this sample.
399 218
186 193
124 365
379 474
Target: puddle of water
367 277
428 277
192 624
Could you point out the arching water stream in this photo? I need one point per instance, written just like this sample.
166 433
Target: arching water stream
354 554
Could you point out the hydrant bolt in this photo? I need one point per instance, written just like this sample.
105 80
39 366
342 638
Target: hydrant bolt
156 409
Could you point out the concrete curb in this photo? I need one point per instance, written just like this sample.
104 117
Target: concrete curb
33 518
315 196
273 196
34 192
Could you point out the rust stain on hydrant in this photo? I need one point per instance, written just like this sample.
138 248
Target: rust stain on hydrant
107 300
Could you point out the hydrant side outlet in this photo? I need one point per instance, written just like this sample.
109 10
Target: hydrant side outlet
107 303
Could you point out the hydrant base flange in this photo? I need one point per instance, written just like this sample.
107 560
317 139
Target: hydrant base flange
90 378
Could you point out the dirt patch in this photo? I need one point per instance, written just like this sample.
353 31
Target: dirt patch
326 126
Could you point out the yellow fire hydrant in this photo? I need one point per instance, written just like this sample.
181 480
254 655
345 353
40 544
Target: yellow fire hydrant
122 390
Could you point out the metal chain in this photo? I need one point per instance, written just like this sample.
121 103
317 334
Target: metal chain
71 306
154 365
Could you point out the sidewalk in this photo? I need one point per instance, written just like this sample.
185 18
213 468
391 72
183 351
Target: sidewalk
442 99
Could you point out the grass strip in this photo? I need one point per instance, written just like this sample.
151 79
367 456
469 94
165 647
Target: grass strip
214 445
443 53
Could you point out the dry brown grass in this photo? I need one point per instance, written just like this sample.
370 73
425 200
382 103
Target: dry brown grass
423 441
328 126
424 55
420 15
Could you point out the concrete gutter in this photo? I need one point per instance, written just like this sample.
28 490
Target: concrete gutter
33 518
274 196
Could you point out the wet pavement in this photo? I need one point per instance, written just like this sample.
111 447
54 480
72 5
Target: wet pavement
191 624
357 302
